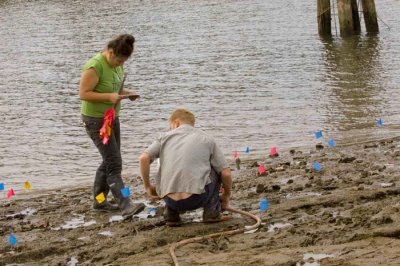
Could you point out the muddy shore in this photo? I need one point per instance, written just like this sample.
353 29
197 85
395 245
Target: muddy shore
348 213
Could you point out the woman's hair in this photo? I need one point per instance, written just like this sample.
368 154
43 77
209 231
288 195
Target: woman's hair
183 115
122 45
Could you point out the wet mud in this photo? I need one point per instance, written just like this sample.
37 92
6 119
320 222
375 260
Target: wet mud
347 213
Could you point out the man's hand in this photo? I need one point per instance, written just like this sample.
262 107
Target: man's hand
144 165
152 193
224 198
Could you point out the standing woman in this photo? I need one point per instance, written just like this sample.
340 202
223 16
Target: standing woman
99 90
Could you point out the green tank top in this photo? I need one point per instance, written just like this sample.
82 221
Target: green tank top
110 80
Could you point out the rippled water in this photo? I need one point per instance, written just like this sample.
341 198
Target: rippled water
255 73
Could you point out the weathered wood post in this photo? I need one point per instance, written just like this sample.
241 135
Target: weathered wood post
356 17
345 17
324 17
371 22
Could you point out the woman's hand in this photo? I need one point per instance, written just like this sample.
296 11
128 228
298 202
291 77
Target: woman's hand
128 94
134 97
115 98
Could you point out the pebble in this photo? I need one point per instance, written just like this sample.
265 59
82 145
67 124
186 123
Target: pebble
347 159
276 187
260 188
368 146
298 188
254 164
396 153
280 169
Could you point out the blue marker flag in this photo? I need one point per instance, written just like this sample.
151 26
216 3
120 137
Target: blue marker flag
318 134
379 122
153 210
247 149
1 186
331 143
317 166
126 192
12 240
263 205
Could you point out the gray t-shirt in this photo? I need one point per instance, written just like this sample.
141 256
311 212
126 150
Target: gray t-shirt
186 156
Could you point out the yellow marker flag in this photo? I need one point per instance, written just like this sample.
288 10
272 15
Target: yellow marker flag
27 185
100 198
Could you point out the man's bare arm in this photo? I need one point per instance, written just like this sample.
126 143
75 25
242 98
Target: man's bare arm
144 165
226 178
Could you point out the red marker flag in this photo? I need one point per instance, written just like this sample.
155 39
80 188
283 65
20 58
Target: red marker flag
105 130
10 193
273 151
261 169
235 155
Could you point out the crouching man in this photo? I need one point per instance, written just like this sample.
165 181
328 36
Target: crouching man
191 170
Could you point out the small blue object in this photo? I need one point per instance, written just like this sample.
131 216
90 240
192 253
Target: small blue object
126 192
331 143
317 166
1 186
12 240
247 149
318 134
263 205
379 122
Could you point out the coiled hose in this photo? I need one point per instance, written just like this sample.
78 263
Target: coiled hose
174 246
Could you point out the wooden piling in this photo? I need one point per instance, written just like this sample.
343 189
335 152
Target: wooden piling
356 17
370 17
324 17
345 17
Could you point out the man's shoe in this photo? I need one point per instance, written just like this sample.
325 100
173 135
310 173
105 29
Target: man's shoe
105 206
219 217
172 217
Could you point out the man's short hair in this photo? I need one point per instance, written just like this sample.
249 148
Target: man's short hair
183 115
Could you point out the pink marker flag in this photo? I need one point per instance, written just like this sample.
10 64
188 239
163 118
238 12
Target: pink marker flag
10 193
273 151
235 155
261 169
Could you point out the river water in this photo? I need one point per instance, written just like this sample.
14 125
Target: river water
255 73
